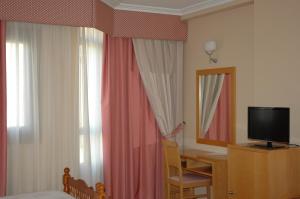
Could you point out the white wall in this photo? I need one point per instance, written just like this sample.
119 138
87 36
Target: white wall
277 58
263 42
233 30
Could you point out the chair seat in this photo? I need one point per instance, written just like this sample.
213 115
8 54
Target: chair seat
184 188
189 178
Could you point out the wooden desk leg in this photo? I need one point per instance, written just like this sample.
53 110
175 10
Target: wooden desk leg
219 180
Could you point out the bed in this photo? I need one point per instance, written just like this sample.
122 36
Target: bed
72 189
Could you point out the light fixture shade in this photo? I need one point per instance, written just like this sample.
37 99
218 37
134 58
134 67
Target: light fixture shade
210 46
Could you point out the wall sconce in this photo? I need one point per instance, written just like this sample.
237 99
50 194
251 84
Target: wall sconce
210 48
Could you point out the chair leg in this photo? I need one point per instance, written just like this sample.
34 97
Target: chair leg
191 191
181 192
208 192
168 191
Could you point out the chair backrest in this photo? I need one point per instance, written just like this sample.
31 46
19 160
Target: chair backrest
172 157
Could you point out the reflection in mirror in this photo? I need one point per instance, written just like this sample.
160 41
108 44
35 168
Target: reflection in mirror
215 106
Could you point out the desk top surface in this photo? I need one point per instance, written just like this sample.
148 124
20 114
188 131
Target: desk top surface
196 154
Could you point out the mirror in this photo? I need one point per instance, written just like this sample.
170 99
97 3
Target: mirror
215 106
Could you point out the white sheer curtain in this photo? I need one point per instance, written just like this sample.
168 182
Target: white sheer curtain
44 65
161 67
91 156
41 106
211 86
22 124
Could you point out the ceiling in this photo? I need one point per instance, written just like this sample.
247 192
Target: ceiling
173 7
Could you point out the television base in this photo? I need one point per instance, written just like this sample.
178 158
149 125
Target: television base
269 145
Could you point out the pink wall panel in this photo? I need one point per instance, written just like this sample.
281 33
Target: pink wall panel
148 25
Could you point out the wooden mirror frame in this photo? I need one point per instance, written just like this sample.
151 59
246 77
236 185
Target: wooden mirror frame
221 70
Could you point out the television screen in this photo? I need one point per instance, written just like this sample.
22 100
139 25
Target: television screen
270 124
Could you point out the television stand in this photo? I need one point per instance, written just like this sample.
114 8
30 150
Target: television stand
269 145
269 174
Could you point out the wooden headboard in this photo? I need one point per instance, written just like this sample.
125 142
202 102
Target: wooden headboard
79 189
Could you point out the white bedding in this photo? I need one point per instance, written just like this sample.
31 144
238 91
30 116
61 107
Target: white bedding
41 195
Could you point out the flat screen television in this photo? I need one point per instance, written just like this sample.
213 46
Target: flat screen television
269 124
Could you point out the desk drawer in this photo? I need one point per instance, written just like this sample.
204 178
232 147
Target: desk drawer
198 167
193 164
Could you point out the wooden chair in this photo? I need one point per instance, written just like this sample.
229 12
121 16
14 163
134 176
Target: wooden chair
181 185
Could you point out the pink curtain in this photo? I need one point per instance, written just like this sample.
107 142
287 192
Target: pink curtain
3 129
220 125
131 138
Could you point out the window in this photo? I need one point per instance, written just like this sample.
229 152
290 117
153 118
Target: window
90 62
15 85
53 110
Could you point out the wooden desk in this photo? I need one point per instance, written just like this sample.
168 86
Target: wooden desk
211 164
